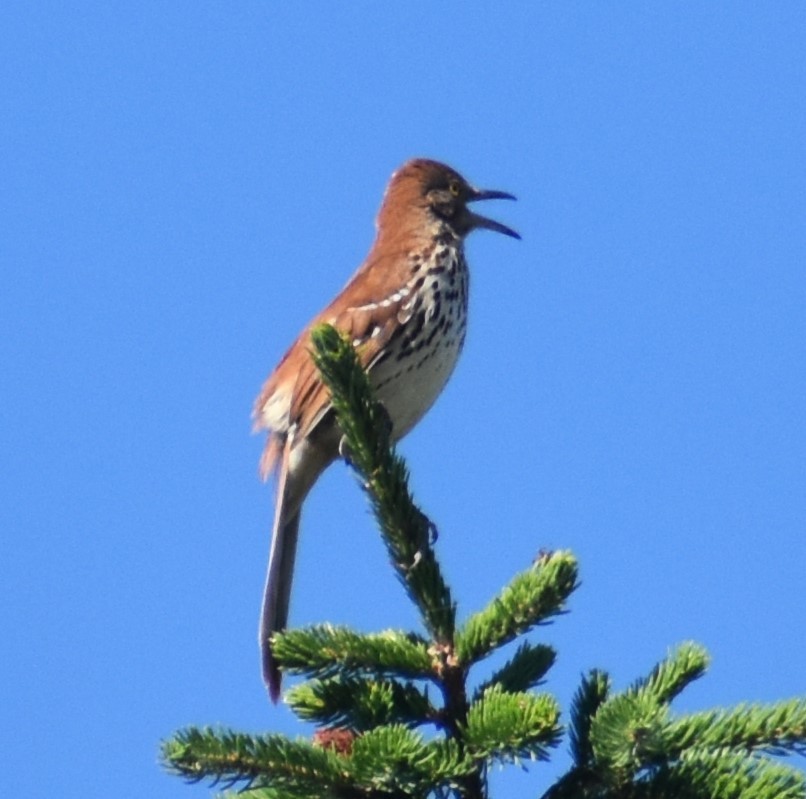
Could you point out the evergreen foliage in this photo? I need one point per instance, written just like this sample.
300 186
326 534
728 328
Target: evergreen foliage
393 711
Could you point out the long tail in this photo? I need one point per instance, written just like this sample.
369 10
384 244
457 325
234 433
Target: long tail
277 591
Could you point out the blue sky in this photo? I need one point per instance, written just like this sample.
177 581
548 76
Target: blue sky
185 184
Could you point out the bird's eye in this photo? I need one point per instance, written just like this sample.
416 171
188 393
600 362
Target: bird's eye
454 188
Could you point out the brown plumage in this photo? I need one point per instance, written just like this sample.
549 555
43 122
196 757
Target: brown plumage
405 310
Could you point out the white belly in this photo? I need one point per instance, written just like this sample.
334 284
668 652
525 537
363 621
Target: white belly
412 390
425 355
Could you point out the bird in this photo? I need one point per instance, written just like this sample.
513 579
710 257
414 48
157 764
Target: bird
405 312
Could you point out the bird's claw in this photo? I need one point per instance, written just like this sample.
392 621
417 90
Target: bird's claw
433 532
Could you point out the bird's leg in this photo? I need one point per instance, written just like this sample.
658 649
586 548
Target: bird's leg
345 453
385 424
430 529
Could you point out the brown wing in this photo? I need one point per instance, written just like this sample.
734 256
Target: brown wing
370 334
294 398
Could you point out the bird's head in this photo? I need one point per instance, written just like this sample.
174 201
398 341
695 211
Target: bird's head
442 193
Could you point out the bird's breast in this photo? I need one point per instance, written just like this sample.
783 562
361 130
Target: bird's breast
423 352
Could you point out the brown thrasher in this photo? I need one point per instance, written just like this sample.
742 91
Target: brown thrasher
405 311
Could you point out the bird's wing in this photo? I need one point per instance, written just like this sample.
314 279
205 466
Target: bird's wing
294 395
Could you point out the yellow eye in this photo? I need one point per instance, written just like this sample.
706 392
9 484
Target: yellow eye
454 188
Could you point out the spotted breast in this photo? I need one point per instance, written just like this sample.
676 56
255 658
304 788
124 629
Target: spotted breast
417 362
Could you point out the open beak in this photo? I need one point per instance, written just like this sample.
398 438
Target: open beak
478 221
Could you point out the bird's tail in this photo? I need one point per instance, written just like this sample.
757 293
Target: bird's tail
277 591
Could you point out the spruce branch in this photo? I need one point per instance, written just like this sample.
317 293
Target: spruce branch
361 704
531 598
260 793
720 775
326 650
406 530
524 670
627 733
393 759
629 745
683 665
388 761
295 767
778 728
590 696
368 692
268 792
504 726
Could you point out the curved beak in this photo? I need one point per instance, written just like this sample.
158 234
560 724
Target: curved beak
478 221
